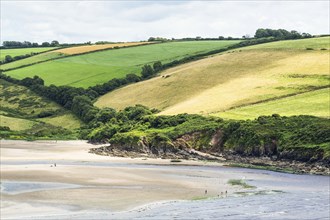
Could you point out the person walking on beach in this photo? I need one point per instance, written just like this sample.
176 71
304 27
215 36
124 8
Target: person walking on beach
205 191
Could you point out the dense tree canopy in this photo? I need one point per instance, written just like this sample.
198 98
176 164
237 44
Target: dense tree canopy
280 34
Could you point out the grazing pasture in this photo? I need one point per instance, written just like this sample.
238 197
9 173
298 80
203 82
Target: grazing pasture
22 51
99 67
91 48
63 52
229 80
301 44
16 124
316 103
33 59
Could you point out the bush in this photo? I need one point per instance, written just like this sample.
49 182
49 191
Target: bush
4 128
45 114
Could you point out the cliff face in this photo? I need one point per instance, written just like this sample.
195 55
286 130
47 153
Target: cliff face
215 143
213 146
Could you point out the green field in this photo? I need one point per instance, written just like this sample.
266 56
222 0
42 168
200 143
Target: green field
99 67
31 60
16 124
20 107
231 79
22 51
302 44
316 103
68 121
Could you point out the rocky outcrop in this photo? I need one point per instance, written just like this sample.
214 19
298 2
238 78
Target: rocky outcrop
210 146
181 148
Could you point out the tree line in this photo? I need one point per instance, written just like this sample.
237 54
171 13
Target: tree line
281 34
27 44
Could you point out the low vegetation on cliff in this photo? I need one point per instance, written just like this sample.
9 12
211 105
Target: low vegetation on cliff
233 81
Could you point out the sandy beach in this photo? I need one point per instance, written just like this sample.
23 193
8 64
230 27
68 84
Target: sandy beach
89 186
99 182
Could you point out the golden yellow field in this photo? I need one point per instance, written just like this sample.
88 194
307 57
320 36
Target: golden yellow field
225 81
90 48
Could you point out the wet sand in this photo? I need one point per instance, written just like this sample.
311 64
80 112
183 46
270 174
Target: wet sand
102 183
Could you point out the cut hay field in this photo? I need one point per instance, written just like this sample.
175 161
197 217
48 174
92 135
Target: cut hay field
99 67
22 51
316 103
231 79
20 107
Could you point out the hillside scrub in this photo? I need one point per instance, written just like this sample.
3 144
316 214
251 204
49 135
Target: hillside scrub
22 109
302 138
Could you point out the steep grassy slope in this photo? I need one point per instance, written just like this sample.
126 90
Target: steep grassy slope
90 69
20 109
232 79
16 124
315 103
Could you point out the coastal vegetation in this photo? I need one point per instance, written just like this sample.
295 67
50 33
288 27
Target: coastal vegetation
182 100
302 138
26 114
237 182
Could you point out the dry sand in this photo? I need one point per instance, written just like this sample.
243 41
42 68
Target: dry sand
103 183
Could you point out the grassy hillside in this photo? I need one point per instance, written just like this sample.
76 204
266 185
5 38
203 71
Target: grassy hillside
16 124
233 79
22 51
315 103
312 43
20 109
90 69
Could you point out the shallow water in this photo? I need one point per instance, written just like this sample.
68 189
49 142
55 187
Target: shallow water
276 196
17 187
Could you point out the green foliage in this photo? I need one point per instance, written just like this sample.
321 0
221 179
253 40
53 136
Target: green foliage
45 114
236 182
147 71
280 34
4 128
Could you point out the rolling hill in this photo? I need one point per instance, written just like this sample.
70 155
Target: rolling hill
99 67
233 79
